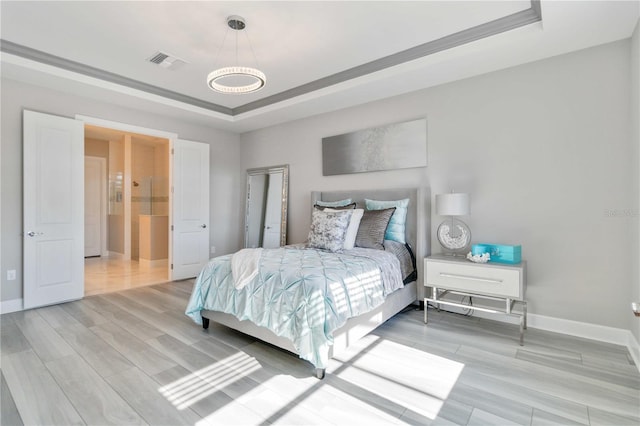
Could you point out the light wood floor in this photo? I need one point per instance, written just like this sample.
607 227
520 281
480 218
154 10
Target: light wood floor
133 357
105 275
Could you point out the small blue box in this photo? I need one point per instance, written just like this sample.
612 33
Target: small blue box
499 253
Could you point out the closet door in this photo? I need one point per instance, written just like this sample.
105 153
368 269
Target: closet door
53 179
190 235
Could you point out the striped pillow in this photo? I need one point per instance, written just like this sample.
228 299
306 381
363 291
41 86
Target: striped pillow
396 229
372 228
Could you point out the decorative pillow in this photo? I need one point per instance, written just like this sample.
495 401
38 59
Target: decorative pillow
372 228
352 230
345 207
406 257
340 203
328 229
396 229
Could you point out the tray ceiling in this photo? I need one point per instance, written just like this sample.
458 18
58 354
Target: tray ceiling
317 56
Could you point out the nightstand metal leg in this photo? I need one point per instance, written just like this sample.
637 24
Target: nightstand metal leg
522 330
524 313
426 306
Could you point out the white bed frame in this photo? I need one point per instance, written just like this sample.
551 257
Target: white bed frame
356 327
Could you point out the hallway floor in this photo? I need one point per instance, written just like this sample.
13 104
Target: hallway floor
104 275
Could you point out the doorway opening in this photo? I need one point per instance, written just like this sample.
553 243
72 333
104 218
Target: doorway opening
127 209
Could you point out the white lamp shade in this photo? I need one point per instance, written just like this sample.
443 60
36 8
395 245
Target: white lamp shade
453 204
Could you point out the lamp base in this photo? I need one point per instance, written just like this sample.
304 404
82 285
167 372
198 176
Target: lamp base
454 236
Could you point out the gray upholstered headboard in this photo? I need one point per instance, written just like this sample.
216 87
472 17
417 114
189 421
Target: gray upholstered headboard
418 223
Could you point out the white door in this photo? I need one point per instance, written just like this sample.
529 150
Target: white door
53 179
190 236
94 199
273 212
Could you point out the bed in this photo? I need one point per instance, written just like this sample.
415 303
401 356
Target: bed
313 325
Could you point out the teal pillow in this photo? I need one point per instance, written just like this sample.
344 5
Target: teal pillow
340 203
396 228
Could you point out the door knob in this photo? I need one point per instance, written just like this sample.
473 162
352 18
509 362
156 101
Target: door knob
33 234
203 226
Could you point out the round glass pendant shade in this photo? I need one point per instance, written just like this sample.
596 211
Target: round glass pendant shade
214 80
454 235
236 79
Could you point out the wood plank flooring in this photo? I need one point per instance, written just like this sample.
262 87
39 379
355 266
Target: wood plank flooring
104 274
133 357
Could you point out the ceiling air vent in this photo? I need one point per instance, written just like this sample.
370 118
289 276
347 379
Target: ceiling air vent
165 60
158 58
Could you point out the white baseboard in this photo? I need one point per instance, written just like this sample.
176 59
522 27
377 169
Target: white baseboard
601 333
8 306
634 349
616 336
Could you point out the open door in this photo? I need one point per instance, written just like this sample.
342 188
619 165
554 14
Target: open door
53 179
190 229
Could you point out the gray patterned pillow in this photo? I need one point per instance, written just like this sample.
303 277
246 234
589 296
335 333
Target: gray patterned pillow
372 228
328 229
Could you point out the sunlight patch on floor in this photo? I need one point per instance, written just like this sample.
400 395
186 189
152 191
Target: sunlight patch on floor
198 385
377 376
421 391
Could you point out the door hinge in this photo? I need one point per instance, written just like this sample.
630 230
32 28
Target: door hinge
172 151
172 227
172 266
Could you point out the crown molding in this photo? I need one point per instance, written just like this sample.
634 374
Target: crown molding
488 29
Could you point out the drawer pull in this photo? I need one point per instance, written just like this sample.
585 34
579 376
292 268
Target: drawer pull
470 278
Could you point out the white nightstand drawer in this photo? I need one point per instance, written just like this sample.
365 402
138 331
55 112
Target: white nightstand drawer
475 278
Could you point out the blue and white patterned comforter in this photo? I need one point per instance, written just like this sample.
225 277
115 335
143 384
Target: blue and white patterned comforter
300 293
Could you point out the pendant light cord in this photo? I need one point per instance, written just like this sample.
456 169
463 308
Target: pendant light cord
226 33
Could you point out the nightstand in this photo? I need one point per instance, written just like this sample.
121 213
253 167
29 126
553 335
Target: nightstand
448 275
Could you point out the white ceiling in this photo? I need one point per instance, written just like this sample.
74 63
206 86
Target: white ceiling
295 44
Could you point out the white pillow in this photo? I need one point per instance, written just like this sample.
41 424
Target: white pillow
352 230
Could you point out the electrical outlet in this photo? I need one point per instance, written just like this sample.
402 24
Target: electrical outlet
213 249
11 274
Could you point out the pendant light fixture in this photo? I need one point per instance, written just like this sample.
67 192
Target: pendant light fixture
217 78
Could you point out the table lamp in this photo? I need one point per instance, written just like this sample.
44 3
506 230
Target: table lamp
453 234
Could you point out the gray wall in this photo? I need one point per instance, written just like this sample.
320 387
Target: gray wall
542 148
635 159
226 179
